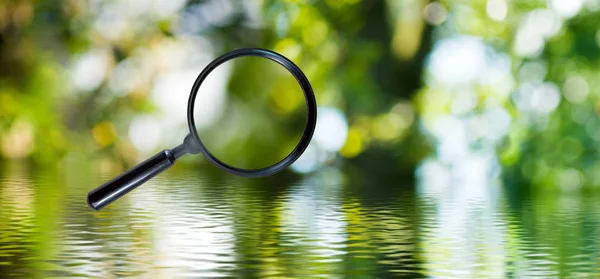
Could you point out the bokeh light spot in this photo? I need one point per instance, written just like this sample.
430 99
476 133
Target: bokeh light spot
104 133
332 129
457 60
144 133
537 26
315 33
537 97
90 69
18 142
289 48
388 126
285 97
435 13
354 144
405 110
546 97
496 9
308 162
528 43
566 8
533 71
576 89
569 180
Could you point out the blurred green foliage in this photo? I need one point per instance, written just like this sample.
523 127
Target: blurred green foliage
345 55
368 59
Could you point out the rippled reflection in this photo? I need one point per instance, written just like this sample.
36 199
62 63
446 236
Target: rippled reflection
184 224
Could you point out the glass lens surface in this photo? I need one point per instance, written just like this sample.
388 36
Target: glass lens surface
250 112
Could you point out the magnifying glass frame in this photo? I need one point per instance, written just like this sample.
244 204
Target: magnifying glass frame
192 144
310 105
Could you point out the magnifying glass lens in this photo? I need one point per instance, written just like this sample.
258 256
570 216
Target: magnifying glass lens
250 112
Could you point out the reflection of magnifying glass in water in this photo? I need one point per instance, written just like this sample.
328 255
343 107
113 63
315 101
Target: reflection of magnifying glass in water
192 144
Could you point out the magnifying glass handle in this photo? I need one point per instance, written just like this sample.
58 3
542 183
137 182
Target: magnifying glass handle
124 183
136 176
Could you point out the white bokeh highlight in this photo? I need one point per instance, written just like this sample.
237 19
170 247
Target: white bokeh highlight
566 8
329 137
457 60
90 69
496 9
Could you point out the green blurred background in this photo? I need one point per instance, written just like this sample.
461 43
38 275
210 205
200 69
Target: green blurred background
453 101
508 87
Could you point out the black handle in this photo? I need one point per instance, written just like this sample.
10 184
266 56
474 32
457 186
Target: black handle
124 183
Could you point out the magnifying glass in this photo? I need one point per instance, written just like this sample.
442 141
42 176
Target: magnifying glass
192 144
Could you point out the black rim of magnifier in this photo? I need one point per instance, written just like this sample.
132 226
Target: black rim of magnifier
309 96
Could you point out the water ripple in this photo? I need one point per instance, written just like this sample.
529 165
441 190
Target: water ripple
185 225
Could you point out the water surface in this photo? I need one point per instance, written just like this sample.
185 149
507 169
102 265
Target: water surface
186 224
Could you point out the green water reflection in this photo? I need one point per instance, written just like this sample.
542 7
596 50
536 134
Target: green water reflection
184 224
